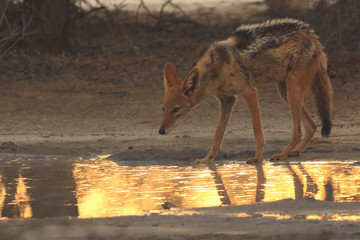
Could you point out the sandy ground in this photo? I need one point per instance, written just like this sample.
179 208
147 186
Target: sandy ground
286 219
87 111
82 118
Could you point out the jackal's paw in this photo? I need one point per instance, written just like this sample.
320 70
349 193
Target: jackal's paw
294 153
278 157
253 161
202 161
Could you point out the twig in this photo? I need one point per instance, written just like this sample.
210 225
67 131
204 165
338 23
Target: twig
3 16
19 35
142 4
187 18
182 11
84 14
160 18
339 30
105 9
162 11
338 11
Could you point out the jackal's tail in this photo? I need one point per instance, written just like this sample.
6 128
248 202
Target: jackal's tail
322 89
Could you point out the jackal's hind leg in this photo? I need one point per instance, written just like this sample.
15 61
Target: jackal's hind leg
295 99
310 128
226 106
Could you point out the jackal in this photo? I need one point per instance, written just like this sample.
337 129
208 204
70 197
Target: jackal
282 51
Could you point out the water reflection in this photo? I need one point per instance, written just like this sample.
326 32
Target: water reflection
37 189
101 188
125 190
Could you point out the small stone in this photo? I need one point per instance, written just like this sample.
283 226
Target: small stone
168 205
9 147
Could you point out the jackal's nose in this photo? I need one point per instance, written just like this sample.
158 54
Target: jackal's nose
162 131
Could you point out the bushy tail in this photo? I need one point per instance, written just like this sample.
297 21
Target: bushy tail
322 89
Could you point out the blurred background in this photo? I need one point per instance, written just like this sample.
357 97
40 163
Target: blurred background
127 42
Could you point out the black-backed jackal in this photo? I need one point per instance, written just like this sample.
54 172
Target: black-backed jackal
283 51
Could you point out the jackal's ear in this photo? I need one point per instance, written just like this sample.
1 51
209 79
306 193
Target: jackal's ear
170 76
191 83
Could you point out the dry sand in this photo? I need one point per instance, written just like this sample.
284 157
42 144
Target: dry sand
286 219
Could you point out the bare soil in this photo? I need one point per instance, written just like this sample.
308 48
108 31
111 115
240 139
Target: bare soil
74 115
105 99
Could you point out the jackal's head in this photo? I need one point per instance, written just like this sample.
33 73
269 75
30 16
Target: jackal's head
180 97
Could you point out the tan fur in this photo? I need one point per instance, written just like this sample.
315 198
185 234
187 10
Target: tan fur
285 52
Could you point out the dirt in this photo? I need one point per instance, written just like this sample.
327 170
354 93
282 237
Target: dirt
284 220
105 99
79 117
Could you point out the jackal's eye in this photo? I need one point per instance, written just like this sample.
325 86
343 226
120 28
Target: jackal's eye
162 108
175 110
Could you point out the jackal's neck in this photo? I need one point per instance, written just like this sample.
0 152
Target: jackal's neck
207 89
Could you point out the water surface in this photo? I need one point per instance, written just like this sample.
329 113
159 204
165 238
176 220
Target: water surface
31 188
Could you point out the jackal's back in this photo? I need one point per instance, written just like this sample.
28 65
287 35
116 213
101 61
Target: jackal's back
255 39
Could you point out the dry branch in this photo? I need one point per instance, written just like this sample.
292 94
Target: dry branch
12 34
160 19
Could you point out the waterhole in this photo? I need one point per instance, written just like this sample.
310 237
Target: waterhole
31 188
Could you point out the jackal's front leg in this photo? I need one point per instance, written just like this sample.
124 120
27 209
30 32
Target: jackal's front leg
226 106
253 104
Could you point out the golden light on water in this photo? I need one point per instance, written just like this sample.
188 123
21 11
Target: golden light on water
103 188
336 182
314 217
107 189
240 182
279 183
277 216
134 190
350 218
20 204
2 194
22 199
